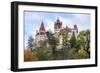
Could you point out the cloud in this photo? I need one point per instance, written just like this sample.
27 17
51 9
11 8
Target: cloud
81 20
49 25
66 22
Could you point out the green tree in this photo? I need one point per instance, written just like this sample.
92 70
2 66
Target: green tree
43 53
30 43
75 53
65 38
81 39
84 40
73 40
52 41
65 44
87 41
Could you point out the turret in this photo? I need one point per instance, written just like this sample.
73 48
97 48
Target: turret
57 25
75 28
42 28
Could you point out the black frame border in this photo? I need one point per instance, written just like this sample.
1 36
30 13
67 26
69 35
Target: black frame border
14 35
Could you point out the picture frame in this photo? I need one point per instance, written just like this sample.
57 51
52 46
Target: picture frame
31 18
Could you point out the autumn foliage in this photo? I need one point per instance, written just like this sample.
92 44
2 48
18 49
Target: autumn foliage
30 56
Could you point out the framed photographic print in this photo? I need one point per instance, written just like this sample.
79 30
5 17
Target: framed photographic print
52 36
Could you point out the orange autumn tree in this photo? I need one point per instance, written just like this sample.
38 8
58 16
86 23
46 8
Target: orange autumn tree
30 56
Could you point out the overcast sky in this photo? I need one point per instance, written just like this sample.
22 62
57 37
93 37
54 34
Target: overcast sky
32 21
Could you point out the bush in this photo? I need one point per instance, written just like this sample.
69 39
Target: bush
78 54
30 56
44 53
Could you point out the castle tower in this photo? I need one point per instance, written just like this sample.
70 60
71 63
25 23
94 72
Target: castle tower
57 25
42 28
40 35
76 30
42 32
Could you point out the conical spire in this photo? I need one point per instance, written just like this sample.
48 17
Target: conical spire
42 28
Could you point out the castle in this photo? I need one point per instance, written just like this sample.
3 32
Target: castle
41 36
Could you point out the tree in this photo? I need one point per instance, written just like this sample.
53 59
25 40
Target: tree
87 35
43 53
81 39
65 38
65 44
30 56
80 54
52 41
30 43
73 40
84 40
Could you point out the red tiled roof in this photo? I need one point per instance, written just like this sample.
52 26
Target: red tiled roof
58 24
42 28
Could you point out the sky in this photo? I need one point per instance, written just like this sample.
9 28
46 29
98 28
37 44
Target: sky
33 19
